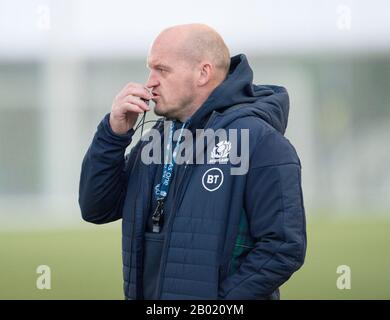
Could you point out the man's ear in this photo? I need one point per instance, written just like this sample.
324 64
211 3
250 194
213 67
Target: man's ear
205 74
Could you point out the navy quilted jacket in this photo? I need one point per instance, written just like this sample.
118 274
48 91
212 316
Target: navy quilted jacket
240 241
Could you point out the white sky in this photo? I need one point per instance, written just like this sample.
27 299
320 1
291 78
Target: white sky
127 27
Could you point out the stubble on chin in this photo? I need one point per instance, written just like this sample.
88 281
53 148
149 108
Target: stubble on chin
159 112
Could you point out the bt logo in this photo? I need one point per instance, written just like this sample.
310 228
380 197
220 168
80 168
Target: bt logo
212 179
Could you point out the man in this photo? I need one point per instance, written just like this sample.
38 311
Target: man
196 231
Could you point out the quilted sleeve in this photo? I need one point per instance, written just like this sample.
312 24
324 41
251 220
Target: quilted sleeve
276 216
104 172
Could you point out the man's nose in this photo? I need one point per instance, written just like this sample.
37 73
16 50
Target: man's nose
152 81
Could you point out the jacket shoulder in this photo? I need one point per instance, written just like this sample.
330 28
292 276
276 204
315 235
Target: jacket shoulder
267 146
255 124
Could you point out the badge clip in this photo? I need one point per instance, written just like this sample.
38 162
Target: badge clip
158 216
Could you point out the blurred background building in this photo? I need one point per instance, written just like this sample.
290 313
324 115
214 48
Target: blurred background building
63 61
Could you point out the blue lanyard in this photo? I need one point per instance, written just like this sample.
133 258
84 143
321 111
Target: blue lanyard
158 215
168 167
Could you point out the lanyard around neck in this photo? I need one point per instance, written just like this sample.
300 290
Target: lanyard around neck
169 166
158 214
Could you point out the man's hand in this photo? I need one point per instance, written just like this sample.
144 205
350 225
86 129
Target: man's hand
127 105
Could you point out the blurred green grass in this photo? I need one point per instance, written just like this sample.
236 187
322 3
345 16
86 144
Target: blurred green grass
86 263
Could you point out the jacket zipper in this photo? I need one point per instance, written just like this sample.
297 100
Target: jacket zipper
171 219
139 258
133 239
168 238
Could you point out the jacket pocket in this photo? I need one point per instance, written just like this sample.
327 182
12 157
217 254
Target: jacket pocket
240 251
153 246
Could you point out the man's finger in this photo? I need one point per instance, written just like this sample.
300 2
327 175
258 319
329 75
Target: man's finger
133 108
137 101
140 91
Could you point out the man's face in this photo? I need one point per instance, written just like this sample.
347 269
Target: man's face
173 80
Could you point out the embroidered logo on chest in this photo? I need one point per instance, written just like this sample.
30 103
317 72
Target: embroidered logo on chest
220 153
